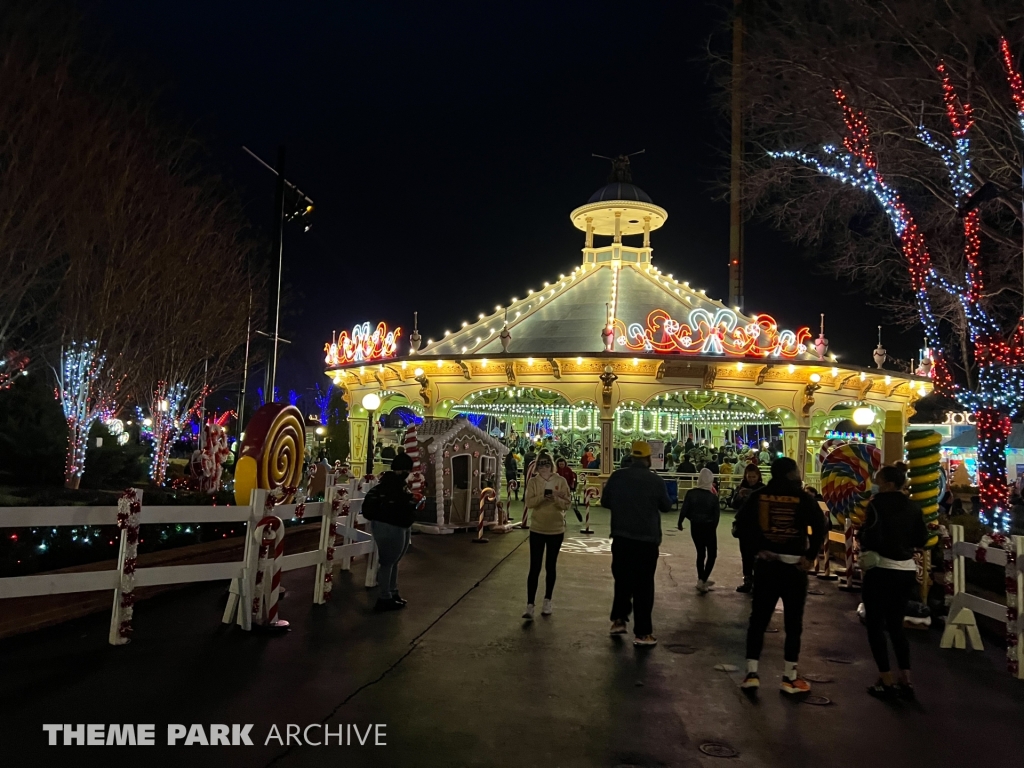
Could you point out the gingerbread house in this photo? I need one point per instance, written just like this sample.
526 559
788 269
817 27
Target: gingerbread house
458 460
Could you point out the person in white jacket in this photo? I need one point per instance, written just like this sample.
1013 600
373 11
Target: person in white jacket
547 498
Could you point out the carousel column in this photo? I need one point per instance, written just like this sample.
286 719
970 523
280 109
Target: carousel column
892 442
794 445
358 428
607 446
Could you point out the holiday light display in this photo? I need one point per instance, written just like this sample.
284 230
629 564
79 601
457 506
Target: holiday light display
999 391
11 365
363 345
170 411
322 398
87 393
707 334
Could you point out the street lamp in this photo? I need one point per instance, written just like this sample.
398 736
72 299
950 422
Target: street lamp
371 402
863 416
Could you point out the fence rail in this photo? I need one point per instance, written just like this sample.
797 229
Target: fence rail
241 573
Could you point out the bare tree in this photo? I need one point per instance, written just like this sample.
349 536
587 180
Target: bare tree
883 55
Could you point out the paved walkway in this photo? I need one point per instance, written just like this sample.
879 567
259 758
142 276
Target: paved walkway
460 680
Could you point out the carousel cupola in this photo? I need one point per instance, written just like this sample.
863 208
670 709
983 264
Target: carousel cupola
618 209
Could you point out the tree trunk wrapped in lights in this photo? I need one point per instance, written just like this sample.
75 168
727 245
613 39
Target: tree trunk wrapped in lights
87 393
998 357
170 411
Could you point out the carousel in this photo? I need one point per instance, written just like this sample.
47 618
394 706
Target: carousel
617 350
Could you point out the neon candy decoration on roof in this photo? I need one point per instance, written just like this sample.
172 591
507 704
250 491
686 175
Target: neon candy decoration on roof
363 346
705 333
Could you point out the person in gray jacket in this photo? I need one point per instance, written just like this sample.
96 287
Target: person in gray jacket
636 497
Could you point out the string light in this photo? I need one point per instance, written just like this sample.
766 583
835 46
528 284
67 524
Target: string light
87 393
999 391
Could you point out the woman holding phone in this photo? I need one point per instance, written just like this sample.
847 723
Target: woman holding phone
547 497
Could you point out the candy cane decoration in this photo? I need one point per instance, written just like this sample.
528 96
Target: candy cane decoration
268 608
588 496
486 495
851 580
339 504
129 508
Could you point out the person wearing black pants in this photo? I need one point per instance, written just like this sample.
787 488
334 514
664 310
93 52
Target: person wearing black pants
547 495
893 528
752 481
637 497
777 519
538 542
700 505
633 566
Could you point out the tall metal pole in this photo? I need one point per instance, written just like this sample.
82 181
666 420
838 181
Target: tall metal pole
278 256
245 370
735 195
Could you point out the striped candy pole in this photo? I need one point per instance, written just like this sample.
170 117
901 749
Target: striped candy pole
588 496
486 495
412 450
268 608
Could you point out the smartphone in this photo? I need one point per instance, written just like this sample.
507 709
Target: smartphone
548 492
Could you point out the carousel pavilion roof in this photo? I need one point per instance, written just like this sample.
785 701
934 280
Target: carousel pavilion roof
617 288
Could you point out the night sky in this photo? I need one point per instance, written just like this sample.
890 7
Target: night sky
445 145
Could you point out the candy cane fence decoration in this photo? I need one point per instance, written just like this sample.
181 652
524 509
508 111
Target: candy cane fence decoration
268 577
849 581
589 495
486 495
961 624
129 505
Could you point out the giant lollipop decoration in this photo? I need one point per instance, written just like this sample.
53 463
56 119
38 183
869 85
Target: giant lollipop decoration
846 479
827 447
926 481
271 454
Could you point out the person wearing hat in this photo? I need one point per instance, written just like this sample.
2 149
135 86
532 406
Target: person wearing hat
775 520
636 497
391 508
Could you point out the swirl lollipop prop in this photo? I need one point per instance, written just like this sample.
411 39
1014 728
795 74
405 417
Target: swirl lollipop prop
271 454
926 479
827 447
846 479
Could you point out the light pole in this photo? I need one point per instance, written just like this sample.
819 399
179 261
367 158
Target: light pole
371 402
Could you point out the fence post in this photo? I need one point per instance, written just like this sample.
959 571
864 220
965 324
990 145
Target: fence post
326 540
1015 599
117 612
961 624
350 519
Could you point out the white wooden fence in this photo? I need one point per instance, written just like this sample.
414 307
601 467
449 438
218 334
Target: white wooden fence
961 624
242 573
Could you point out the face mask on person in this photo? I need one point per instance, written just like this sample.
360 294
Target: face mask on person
874 488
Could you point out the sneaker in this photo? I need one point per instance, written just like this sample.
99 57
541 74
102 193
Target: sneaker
905 691
702 587
744 588
642 640
385 604
618 628
882 691
546 610
529 612
398 599
751 681
709 583
796 685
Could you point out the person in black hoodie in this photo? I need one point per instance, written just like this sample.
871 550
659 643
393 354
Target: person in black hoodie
776 519
390 507
701 505
893 528
752 481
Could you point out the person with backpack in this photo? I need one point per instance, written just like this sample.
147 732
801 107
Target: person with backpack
390 507
777 519
700 505
893 528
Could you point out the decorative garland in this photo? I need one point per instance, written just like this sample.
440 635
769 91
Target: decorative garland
128 510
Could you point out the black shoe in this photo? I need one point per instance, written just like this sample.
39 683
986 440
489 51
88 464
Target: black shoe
905 691
383 605
745 587
882 691
398 599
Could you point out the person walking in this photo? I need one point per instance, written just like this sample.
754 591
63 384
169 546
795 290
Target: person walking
391 508
547 496
528 459
511 474
700 505
636 497
565 472
752 481
777 518
893 528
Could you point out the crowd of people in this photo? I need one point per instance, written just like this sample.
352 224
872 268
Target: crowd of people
780 529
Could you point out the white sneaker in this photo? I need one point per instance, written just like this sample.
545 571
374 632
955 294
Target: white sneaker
709 583
703 588
529 612
699 586
546 610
